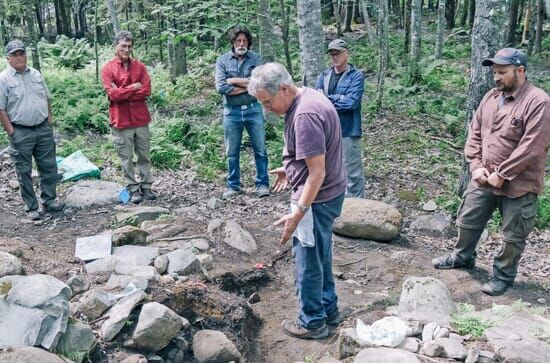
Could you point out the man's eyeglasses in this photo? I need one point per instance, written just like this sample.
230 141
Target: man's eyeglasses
336 53
267 104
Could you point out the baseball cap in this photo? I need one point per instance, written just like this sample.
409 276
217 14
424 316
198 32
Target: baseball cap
507 56
337 44
14 46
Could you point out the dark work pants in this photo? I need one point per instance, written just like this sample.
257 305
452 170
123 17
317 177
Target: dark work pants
37 142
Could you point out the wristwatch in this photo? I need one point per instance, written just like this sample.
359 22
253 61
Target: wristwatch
303 208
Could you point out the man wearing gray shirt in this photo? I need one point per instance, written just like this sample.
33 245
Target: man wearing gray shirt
25 113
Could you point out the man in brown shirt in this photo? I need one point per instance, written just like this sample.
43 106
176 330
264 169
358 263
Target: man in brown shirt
506 149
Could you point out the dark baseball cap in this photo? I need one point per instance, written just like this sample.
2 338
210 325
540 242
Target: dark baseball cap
507 56
14 46
337 44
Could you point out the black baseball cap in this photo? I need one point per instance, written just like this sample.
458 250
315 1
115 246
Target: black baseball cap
14 46
507 56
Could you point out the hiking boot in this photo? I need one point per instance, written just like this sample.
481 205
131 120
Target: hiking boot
148 194
54 206
334 319
262 191
136 197
230 193
296 330
495 287
33 215
449 262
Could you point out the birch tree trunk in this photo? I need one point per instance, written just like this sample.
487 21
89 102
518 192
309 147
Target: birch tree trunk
366 20
113 15
487 39
383 49
440 29
416 36
267 37
312 42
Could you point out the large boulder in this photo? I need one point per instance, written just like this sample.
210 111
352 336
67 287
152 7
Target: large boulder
25 354
212 346
436 223
239 238
77 341
368 219
93 303
136 215
385 355
34 310
183 262
156 326
426 299
88 193
129 235
118 315
9 265
135 255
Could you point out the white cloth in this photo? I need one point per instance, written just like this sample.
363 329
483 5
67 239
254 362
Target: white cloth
304 230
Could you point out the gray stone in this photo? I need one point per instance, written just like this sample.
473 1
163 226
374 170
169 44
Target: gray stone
410 344
429 206
349 343
135 215
93 303
79 338
473 355
518 338
486 356
385 355
88 193
129 235
201 244
136 255
460 338
147 272
432 349
214 203
214 225
328 360
414 327
167 279
442 333
206 261
14 184
9 265
183 262
34 310
123 281
78 284
452 348
135 358
153 358
436 223
102 265
93 247
166 231
161 264
368 219
156 326
400 256
25 354
212 346
428 333
426 299
239 238
118 315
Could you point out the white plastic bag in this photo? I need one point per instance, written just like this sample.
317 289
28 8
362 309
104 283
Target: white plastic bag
387 332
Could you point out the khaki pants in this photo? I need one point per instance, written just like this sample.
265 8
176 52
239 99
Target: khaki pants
518 219
126 142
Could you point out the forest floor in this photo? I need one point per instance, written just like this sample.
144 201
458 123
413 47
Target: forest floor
368 278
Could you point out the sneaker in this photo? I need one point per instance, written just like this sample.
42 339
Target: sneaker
33 215
334 319
449 262
136 197
262 191
495 287
230 193
54 206
296 330
148 194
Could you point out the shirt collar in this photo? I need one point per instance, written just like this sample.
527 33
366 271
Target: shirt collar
519 92
233 55
13 72
119 61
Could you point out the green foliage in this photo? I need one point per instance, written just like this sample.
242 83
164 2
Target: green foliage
466 323
67 52
543 213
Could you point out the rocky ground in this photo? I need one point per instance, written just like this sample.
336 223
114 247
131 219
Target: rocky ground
245 289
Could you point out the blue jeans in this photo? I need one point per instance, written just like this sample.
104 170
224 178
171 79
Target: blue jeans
315 286
235 118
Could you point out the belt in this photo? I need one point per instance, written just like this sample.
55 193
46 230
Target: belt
244 107
30 127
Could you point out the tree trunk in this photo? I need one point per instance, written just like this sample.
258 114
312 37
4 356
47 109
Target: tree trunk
464 16
177 58
29 19
39 19
312 42
267 37
65 20
407 17
416 37
113 15
366 19
526 23
471 13
440 29
540 19
349 16
337 17
450 13
513 16
96 50
532 27
58 18
487 39
383 50
285 12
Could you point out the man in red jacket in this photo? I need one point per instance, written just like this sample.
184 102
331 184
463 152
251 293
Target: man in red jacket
128 85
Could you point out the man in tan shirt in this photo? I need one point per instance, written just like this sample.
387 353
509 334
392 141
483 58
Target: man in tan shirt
506 149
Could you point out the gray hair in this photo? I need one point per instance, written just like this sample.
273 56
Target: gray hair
269 77
123 35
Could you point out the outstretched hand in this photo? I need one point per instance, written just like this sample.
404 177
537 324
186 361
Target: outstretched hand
281 181
289 222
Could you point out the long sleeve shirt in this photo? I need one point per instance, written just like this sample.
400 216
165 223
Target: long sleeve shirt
510 136
127 106
228 65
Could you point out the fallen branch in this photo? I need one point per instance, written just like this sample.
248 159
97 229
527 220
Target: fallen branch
455 147
180 238
349 263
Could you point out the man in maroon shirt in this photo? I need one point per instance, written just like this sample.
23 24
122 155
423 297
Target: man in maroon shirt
506 149
128 85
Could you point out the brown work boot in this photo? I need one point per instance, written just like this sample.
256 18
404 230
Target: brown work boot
450 261
296 330
496 287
